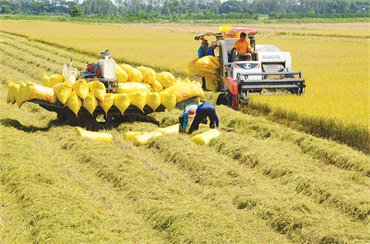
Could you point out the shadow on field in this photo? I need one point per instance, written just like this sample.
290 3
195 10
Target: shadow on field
16 124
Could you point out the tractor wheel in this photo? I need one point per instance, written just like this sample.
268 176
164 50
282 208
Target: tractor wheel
221 100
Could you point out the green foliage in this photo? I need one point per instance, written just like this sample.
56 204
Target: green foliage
76 12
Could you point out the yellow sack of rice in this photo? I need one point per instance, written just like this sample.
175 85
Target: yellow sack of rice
191 67
185 91
82 88
131 134
98 136
212 85
149 75
121 74
138 99
98 89
169 129
45 79
91 102
10 97
74 102
153 100
157 86
63 91
131 87
22 94
148 86
122 102
144 138
166 79
16 92
107 103
200 89
134 75
42 93
55 79
206 137
168 100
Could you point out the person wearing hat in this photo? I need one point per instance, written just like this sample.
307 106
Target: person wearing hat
187 117
212 48
242 45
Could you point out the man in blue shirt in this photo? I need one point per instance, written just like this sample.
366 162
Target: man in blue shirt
202 51
203 111
212 48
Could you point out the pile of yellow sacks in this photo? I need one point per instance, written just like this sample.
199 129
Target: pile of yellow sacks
137 86
207 67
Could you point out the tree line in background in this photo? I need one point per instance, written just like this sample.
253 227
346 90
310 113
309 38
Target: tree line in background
191 9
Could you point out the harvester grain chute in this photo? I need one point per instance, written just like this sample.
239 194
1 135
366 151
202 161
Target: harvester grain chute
269 70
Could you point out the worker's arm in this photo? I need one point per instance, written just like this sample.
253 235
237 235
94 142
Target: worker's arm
250 49
200 52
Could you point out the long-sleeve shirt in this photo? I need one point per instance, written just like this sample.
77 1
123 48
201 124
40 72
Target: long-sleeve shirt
207 105
186 118
201 52
242 47
210 52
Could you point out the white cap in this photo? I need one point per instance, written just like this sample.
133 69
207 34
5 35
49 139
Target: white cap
214 44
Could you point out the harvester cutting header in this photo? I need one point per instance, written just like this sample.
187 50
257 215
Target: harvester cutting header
268 68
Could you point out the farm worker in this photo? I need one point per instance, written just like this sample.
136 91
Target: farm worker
242 45
211 50
201 53
203 49
203 111
187 117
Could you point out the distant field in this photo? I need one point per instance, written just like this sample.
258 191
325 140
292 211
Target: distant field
258 181
334 59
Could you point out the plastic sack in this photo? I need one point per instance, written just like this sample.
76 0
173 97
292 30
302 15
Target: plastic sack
107 103
166 79
208 64
169 129
91 102
10 97
74 103
63 91
153 100
149 75
168 100
82 88
42 93
131 87
55 79
131 134
98 136
191 69
157 86
224 29
212 85
16 92
122 102
134 75
22 94
143 139
121 74
45 79
188 90
148 86
206 137
138 99
98 89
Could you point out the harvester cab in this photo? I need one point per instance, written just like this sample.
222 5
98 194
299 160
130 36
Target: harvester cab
269 69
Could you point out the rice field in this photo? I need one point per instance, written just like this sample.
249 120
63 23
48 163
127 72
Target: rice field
334 59
258 182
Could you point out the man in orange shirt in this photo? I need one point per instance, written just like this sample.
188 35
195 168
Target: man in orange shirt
242 45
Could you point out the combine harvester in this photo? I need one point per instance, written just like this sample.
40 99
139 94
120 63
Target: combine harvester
269 70
176 93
